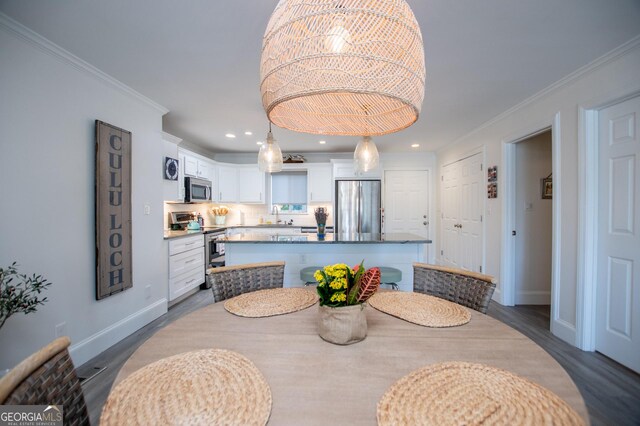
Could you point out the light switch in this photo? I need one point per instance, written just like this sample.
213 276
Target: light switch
528 206
147 209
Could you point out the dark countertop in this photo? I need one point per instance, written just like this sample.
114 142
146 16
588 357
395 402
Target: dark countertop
168 234
282 238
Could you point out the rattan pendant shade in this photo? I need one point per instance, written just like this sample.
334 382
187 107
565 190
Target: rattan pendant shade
345 67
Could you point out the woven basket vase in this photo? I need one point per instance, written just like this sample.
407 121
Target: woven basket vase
343 325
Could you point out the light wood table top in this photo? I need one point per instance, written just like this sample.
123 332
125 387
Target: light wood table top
315 382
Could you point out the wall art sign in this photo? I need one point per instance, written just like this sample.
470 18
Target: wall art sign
113 210
170 168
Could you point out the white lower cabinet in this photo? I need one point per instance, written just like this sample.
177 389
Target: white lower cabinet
186 264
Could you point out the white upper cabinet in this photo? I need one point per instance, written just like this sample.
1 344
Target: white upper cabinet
227 184
343 169
196 167
251 184
319 183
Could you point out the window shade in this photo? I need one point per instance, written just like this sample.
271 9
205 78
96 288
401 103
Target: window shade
289 188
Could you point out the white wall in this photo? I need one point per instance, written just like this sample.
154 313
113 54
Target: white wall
611 77
48 105
533 222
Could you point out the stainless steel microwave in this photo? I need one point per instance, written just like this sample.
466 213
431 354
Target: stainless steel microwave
197 190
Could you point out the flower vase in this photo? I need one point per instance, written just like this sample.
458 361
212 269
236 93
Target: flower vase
219 220
321 227
342 325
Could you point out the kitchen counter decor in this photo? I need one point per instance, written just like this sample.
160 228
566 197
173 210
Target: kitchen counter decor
271 302
343 291
321 220
220 215
421 309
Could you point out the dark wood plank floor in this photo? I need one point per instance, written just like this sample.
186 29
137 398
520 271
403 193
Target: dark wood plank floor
611 391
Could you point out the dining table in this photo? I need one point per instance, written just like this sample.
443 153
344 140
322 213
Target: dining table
315 382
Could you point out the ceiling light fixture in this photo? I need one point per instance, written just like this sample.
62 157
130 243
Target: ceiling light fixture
322 142
258 143
248 133
230 135
270 155
415 145
365 157
342 67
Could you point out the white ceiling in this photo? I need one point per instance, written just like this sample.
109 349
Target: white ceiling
200 59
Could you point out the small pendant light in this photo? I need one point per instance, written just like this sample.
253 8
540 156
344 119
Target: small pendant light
270 155
365 157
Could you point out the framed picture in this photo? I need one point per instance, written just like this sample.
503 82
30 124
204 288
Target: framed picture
492 190
170 168
492 174
547 188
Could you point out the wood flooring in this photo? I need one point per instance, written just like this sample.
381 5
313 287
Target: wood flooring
611 391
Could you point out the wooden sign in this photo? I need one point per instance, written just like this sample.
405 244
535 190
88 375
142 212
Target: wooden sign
113 210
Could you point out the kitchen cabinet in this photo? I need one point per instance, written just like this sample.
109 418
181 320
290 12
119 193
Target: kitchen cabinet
186 264
343 169
196 167
251 184
227 184
319 183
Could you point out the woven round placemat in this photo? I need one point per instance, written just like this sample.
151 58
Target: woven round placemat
211 386
270 302
456 393
420 308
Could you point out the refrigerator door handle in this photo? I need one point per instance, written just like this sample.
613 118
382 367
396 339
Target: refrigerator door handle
360 207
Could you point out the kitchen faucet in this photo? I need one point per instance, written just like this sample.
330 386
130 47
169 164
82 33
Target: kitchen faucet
274 210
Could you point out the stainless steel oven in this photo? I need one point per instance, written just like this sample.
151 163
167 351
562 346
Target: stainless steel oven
214 252
197 190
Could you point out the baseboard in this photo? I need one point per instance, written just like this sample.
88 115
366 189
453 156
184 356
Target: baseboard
93 345
564 331
533 298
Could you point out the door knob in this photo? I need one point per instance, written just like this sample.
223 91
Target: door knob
424 217
425 223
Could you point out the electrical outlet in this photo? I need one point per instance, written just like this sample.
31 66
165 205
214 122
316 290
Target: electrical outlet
147 209
61 329
303 258
147 292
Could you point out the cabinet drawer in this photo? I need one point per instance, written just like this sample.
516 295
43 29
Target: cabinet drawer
183 283
183 263
186 243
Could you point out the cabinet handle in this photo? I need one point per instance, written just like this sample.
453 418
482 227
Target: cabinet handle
190 281
190 261
190 244
220 196
260 195
311 194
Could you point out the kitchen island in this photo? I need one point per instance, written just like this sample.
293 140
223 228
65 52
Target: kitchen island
299 251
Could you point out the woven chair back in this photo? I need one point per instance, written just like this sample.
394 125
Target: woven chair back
233 281
465 288
47 377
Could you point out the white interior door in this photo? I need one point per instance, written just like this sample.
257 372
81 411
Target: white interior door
470 225
462 206
618 288
406 202
450 205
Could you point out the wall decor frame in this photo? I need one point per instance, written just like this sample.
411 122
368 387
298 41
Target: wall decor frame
113 210
546 188
171 167
492 190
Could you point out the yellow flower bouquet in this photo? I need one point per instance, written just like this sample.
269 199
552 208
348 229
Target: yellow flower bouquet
341 285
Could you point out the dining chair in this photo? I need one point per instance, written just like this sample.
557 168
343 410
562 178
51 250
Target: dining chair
47 377
231 281
470 289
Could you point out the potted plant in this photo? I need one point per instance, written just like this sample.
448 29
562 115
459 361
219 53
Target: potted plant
21 294
343 291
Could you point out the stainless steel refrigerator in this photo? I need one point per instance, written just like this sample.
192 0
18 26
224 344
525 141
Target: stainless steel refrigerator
358 206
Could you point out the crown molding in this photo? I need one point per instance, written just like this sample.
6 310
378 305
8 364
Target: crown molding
17 29
605 59
171 138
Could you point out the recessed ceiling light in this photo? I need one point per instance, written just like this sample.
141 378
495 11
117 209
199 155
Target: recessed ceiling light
258 143
415 145
322 142
230 135
248 133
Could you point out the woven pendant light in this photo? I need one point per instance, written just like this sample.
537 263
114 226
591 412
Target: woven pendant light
342 67
270 155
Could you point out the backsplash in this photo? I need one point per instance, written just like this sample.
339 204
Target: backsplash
247 214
